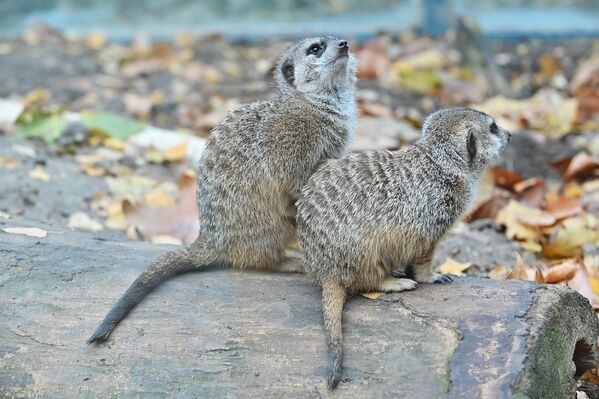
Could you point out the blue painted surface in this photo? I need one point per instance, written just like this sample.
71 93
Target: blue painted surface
432 15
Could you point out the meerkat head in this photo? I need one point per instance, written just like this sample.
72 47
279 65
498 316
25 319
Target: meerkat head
469 134
316 66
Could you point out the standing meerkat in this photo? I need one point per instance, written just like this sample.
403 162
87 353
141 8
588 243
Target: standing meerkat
366 216
255 163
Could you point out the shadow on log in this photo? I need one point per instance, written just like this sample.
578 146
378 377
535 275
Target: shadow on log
245 334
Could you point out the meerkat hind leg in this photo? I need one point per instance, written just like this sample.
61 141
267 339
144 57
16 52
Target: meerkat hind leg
291 264
393 284
423 271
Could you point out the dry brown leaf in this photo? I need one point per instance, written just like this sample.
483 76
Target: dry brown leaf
562 272
10 162
27 231
505 179
582 165
95 40
563 207
519 271
178 220
499 272
531 190
373 109
38 173
158 197
373 59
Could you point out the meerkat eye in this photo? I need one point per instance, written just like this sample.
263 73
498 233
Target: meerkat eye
494 128
315 49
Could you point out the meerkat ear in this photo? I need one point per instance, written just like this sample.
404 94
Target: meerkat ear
472 145
287 69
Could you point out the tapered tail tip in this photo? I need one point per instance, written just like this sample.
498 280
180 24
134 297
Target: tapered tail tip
101 334
335 367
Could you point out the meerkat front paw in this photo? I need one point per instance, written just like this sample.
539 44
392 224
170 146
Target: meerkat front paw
397 284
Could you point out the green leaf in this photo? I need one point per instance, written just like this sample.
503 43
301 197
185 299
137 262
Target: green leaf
47 128
111 124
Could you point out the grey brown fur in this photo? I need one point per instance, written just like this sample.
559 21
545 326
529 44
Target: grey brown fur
370 215
255 163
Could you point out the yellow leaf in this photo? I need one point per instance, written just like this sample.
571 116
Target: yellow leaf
39 173
177 152
95 40
510 216
115 144
158 197
594 281
372 295
451 266
569 240
28 231
93 171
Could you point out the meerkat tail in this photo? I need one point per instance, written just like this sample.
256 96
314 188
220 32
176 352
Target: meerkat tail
333 299
179 261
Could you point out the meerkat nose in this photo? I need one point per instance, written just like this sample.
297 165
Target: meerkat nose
342 44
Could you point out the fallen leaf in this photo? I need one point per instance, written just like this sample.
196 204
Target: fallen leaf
95 40
530 190
373 59
38 173
521 221
562 272
582 165
563 207
10 162
372 295
28 231
177 152
372 109
451 266
505 179
158 197
581 283
519 271
10 111
547 111
111 124
81 221
499 272
569 240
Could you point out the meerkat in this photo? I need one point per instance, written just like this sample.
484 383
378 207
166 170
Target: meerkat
253 168
364 218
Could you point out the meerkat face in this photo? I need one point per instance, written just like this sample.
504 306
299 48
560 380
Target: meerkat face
473 135
317 65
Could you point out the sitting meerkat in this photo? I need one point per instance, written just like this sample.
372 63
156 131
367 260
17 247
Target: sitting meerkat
370 215
253 168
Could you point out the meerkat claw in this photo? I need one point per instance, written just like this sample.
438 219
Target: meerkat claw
443 279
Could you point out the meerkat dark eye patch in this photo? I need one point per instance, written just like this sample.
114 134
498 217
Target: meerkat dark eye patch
472 146
287 69
494 128
316 49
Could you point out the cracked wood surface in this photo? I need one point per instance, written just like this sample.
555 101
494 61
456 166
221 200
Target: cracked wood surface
244 334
